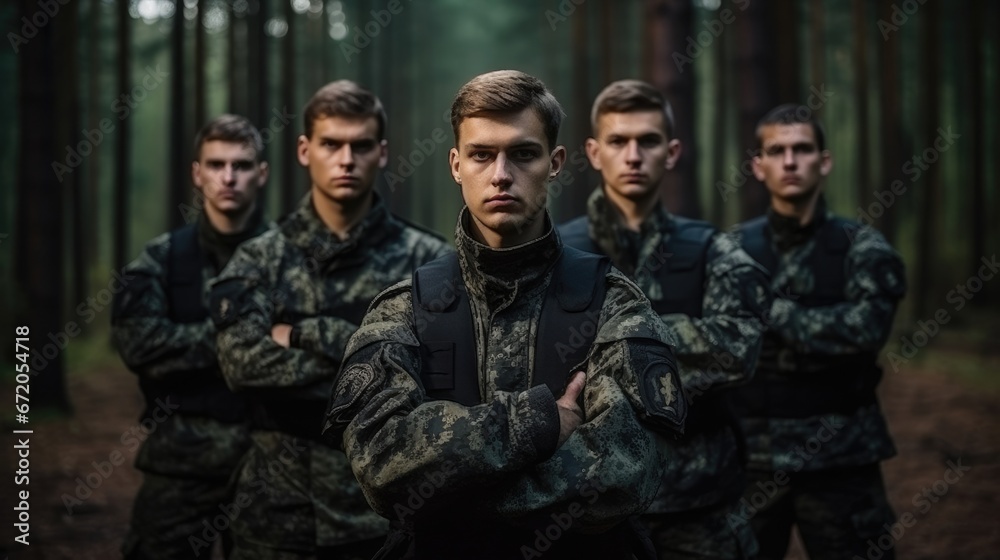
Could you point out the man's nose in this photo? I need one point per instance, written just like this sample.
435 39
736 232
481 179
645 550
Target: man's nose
501 172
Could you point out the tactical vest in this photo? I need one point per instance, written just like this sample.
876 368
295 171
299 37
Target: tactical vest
200 392
682 274
449 371
682 277
792 384
566 329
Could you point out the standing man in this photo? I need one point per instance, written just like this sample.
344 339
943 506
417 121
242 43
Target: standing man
161 327
708 293
814 429
519 389
285 308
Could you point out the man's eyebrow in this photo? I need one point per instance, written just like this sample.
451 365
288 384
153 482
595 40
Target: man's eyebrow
520 144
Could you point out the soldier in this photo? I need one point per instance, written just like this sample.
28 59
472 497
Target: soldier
456 403
161 327
709 294
285 308
814 429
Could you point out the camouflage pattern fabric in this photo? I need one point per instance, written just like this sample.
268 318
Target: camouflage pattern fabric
875 282
498 460
304 275
187 459
840 512
700 534
715 352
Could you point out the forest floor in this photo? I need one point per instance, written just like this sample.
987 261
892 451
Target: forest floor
937 419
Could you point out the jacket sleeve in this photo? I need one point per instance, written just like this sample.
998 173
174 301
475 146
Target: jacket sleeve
720 348
150 343
327 336
875 283
396 439
243 302
503 450
612 465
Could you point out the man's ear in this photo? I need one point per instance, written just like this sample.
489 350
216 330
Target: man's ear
195 178
593 148
453 163
263 173
557 160
302 150
383 156
758 169
674 150
825 163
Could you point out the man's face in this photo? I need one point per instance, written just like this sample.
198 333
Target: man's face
343 156
790 163
228 176
632 152
503 164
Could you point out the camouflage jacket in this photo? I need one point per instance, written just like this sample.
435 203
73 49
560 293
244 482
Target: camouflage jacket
302 274
861 323
715 351
498 461
180 357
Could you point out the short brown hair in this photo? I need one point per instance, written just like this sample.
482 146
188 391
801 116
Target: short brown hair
625 96
790 113
507 91
230 128
343 98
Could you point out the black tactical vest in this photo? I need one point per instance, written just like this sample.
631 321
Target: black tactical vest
200 392
443 319
682 274
791 384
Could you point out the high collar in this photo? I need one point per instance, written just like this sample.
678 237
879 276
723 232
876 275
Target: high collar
494 273
786 231
221 246
607 229
304 228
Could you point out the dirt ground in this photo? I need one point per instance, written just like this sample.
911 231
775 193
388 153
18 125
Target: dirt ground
935 420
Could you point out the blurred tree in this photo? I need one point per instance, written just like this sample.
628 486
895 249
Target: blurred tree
817 47
929 229
123 152
91 231
178 188
720 118
288 181
860 67
975 14
890 119
671 33
39 217
199 65
755 82
785 15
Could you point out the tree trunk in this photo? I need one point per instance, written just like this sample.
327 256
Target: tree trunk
930 105
976 12
787 50
670 24
891 125
290 187
39 216
123 149
755 84
177 172
862 186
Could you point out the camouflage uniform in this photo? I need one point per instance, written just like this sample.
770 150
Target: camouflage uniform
305 497
487 481
188 459
819 469
716 351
